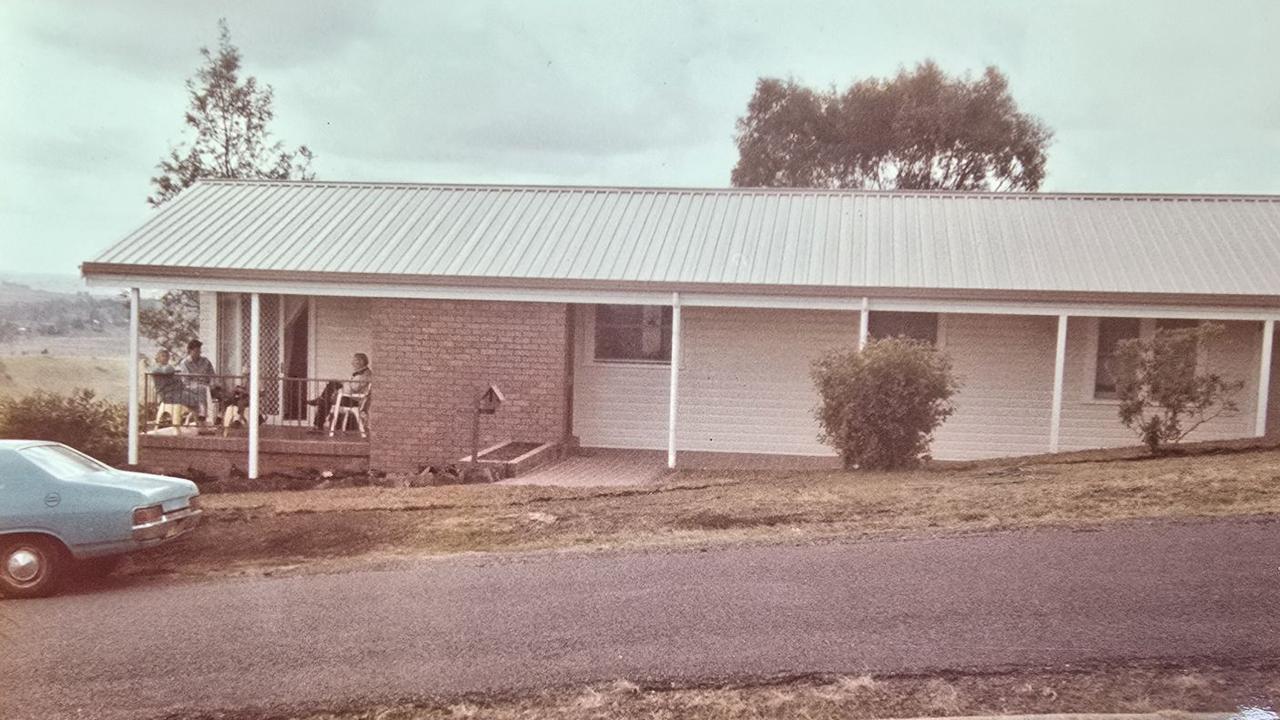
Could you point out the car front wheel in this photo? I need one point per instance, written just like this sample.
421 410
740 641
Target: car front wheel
29 566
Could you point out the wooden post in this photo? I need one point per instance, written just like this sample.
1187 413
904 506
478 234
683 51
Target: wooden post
475 435
133 376
1264 377
1059 366
675 380
255 379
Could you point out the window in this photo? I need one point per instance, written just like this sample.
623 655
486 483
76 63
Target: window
914 325
61 462
1110 332
638 333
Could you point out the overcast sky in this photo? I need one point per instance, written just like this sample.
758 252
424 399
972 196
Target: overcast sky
1143 96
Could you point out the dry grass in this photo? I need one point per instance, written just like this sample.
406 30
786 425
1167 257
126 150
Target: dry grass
1110 690
247 531
108 377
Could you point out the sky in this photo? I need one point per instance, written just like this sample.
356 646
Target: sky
1157 96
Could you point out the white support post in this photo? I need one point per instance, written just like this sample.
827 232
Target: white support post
1264 377
675 380
1059 368
255 379
864 323
133 376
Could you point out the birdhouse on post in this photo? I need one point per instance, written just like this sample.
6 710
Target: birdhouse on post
487 403
489 400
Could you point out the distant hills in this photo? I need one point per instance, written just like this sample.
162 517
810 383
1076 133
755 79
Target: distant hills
56 306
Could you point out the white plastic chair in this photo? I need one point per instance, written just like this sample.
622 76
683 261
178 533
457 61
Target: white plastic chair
346 412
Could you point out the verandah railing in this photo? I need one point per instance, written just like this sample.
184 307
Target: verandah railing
212 400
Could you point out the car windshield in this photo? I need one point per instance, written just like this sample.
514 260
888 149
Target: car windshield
61 462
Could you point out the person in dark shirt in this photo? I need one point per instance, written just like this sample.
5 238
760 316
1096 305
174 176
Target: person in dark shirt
355 390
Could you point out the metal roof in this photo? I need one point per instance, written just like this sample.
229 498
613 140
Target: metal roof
733 237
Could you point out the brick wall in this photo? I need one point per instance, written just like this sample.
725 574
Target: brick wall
432 357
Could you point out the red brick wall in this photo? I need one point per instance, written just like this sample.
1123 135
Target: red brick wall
432 357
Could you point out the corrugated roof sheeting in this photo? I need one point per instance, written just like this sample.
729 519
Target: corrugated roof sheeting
1157 244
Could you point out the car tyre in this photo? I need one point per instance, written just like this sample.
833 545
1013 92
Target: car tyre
30 566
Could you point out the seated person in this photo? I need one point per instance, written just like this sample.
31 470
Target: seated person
197 374
354 390
169 389
235 404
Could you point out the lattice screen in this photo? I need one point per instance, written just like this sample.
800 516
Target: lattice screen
269 350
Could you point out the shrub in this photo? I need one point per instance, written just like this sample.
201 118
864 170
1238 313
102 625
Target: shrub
879 406
1162 396
91 425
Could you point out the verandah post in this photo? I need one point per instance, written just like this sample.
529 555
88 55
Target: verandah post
864 323
1059 366
675 380
255 381
1264 377
133 376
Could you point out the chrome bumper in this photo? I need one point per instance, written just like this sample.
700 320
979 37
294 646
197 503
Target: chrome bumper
171 525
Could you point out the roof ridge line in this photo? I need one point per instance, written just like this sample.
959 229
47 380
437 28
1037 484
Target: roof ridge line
932 194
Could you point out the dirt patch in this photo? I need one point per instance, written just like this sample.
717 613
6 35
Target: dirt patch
261 530
1167 690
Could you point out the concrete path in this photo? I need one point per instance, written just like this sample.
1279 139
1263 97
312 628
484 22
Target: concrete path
599 468
1177 593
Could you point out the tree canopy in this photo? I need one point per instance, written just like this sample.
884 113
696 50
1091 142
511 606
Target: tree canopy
229 116
921 130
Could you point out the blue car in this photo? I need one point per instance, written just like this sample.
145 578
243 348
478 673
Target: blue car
60 507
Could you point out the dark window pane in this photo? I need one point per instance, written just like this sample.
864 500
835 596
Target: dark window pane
1110 332
917 326
633 332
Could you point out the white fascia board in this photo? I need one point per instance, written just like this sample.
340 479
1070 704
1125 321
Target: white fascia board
978 307
687 298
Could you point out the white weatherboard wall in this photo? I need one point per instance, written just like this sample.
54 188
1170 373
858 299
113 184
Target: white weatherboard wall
343 328
744 383
1005 367
745 387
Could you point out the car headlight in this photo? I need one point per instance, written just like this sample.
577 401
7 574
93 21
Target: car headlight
147 515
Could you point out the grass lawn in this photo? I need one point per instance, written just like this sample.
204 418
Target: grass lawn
1084 690
321 530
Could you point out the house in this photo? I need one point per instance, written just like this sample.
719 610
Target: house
686 320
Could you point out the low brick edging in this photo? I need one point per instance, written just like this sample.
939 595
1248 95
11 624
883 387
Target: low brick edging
433 357
219 456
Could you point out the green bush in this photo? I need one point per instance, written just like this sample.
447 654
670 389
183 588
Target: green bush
91 425
1163 396
879 406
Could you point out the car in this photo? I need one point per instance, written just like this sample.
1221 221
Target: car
61 510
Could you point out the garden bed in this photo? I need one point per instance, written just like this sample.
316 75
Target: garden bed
511 458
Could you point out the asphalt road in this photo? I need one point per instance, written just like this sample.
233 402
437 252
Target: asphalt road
1160 592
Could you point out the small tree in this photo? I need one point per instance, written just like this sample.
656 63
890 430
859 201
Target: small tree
229 116
1163 396
879 406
